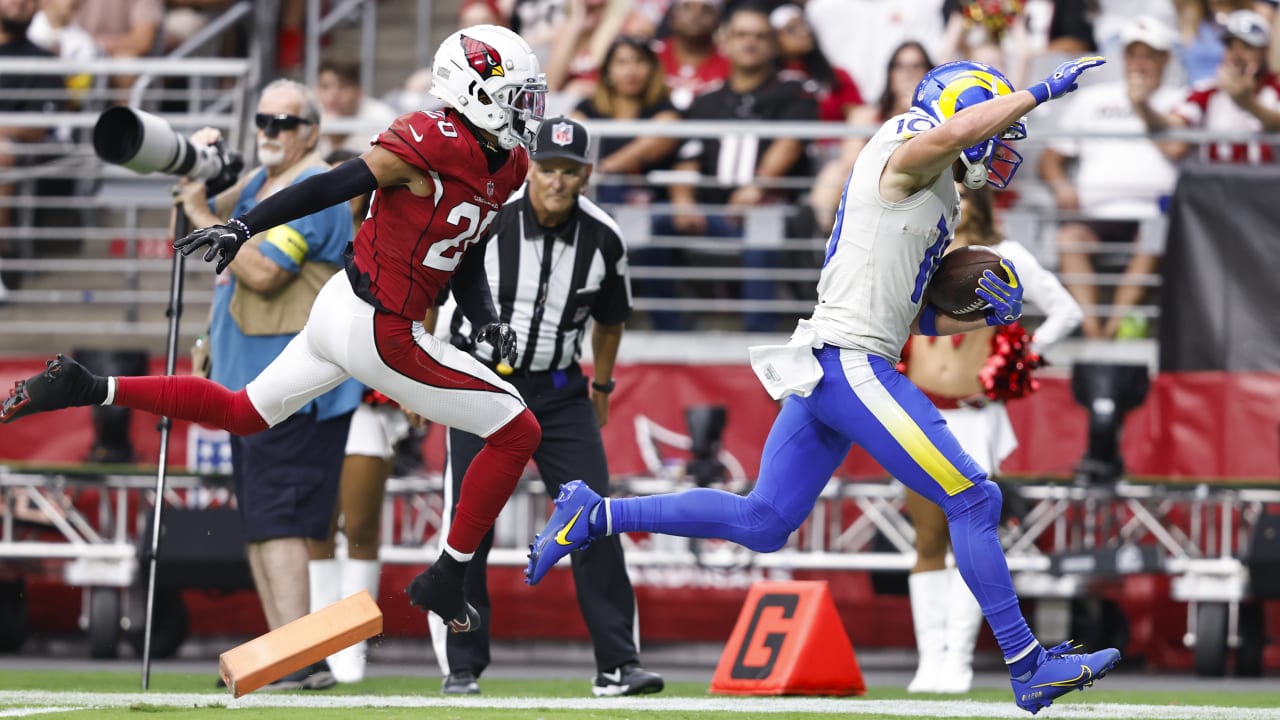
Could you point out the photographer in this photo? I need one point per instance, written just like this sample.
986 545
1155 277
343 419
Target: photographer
286 478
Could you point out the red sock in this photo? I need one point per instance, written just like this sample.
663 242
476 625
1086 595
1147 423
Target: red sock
187 397
490 480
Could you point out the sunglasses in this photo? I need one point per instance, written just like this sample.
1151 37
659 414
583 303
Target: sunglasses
272 125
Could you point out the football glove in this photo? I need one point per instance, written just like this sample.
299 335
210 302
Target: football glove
224 242
501 336
1063 80
1005 298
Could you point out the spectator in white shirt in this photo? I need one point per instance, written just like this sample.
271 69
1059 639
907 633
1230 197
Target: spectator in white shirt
54 28
1120 184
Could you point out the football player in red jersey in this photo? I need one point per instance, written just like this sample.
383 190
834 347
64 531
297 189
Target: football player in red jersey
440 178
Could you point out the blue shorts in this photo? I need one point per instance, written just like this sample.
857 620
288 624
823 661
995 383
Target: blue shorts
286 477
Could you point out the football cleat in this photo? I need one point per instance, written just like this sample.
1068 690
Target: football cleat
1061 672
438 589
629 679
566 531
62 384
461 683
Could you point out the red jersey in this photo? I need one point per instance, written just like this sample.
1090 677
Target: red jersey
689 81
409 246
1208 108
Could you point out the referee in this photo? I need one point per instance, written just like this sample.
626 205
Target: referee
554 259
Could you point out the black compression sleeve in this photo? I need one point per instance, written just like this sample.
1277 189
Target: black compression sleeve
471 289
352 178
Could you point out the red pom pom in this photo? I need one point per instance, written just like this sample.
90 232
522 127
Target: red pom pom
1007 373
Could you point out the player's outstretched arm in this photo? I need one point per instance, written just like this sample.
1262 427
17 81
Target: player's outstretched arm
924 156
354 178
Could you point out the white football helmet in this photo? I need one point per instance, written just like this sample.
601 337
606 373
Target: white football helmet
491 76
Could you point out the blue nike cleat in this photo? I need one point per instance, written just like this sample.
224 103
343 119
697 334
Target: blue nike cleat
566 531
1061 672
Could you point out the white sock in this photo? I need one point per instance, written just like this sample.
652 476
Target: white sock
348 664
322 576
111 390
458 554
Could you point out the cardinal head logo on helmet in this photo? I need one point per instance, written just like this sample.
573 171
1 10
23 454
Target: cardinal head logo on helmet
484 59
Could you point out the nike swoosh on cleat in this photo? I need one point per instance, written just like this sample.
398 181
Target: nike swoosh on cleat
562 537
1084 676
615 676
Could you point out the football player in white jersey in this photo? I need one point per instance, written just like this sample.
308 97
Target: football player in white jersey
896 217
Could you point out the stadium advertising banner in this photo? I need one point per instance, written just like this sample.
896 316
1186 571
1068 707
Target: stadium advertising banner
1193 426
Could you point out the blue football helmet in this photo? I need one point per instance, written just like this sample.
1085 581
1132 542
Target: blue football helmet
949 88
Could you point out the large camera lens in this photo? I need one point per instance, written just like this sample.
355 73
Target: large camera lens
146 143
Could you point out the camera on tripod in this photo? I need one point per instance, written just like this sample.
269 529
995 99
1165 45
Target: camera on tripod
145 143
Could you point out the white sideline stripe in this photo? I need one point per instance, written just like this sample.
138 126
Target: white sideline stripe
59 701
24 712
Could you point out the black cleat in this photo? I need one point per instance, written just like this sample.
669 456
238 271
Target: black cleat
438 589
64 383
460 683
629 679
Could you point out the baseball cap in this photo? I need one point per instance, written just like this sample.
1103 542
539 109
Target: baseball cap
560 137
784 14
1148 31
1247 26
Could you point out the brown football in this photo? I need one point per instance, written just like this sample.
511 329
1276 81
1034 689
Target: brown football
952 286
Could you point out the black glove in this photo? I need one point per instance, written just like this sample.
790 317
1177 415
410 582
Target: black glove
501 336
224 242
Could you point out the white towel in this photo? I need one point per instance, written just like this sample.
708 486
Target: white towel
789 369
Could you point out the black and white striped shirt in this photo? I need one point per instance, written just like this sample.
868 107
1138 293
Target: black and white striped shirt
546 282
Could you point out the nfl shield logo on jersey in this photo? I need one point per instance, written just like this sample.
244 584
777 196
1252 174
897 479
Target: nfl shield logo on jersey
562 134
489 188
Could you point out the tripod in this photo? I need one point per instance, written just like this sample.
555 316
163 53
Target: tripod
174 312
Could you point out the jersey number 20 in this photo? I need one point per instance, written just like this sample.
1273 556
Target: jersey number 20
444 255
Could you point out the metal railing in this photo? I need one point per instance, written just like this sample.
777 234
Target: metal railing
132 199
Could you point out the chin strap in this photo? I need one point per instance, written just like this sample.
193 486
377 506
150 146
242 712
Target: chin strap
975 176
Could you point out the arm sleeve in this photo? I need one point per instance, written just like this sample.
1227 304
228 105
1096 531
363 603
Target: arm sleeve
352 178
470 285
1042 289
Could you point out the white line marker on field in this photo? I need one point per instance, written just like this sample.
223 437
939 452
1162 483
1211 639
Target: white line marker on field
753 706
24 712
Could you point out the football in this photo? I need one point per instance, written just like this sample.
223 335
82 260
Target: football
952 286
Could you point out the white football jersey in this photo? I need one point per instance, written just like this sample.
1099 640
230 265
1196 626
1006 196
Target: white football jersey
882 254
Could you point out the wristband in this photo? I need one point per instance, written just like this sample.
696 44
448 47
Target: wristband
604 389
238 224
1040 91
928 322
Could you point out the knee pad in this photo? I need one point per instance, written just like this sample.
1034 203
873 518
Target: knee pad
768 531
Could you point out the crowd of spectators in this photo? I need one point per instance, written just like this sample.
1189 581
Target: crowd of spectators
1174 63
1202 64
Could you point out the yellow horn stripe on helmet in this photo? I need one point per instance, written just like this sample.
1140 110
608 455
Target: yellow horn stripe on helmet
973 78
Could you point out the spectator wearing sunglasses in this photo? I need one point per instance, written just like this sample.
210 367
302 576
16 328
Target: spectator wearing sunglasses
286 478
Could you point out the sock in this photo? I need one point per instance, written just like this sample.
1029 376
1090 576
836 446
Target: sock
1029 659
702 513
490 480
323 577
599 522
972 517
456 554
187 397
